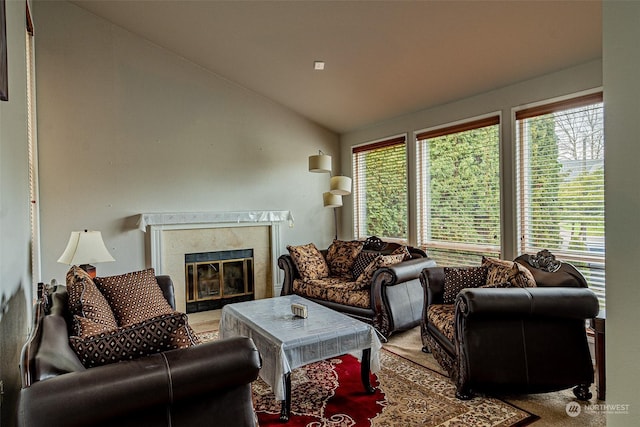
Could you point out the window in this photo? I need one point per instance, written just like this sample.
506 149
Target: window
459 191
380 189
560 176
33 154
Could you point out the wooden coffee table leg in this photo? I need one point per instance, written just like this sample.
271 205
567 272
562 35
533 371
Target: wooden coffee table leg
365 369
285 409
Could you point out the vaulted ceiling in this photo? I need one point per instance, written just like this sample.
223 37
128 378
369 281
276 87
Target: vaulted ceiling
383 58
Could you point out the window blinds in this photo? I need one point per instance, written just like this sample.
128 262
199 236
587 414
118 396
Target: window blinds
459 191
380 189
560 174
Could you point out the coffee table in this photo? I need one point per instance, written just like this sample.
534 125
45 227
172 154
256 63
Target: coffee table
287 342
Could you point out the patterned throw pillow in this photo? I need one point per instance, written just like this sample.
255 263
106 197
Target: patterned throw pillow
402 250
501 271
498 270
309 261
165 332
459 278
497 285
521 277
341 255
362 261
134 297
84 327
364 280
87 302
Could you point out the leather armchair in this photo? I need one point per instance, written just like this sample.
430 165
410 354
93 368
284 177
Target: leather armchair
193 386
514 340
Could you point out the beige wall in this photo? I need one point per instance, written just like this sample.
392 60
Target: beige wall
621 56
15 279
126 127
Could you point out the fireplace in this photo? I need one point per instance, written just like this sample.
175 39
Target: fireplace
213 279
171 236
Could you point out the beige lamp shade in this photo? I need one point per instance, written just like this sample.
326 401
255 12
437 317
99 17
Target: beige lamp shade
340 185
320 163
85 247
331 200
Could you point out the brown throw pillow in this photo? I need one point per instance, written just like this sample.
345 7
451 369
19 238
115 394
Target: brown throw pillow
309 261
521 277
498 270
364 280
459 278
503 271
134 297
341 255
404 250
497 285
161 333
87 302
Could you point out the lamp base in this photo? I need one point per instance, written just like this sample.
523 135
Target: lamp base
90 269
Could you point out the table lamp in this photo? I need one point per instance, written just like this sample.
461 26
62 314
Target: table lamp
83 249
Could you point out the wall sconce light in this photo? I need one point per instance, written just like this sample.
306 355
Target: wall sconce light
85 247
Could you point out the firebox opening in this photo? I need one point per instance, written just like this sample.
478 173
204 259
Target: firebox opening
214 279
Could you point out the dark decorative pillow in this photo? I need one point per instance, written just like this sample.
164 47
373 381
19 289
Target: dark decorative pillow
362 261
161 333
134 297
459 278
341 255
84 327
309 261
86 301
364 280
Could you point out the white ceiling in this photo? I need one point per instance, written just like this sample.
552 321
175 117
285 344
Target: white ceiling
383 58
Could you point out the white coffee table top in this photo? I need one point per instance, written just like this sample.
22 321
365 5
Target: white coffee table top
287 342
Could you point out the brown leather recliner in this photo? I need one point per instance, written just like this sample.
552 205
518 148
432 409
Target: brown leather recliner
200 385
514 340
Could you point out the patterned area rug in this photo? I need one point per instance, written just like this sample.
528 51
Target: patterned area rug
330 394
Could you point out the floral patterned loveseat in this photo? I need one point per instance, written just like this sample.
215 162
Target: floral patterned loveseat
375 281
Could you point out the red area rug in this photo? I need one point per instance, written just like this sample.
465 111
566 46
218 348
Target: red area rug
327 393
330 394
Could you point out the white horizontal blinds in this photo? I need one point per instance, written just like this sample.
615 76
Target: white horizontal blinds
380 189
561 183
459 192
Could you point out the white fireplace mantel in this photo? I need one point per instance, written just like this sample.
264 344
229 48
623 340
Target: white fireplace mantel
236 217
156 223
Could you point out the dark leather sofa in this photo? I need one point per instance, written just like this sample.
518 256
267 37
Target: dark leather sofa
515 340
206 384
396 297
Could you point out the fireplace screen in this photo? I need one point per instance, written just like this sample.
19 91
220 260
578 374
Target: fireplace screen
217 278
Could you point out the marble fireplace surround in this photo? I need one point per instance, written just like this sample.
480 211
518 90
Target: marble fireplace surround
172 235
